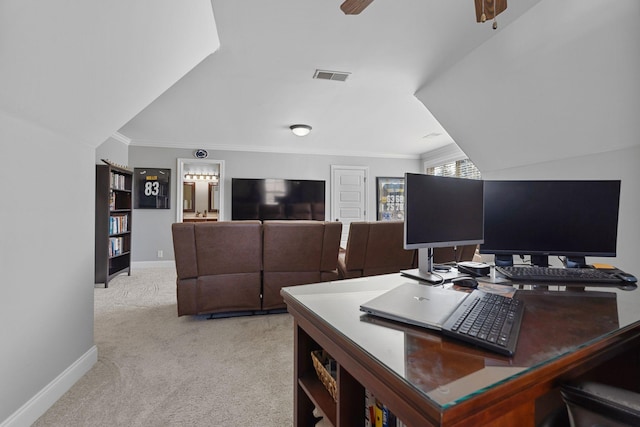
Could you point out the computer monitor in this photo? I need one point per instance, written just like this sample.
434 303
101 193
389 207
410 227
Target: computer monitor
440 212
574 219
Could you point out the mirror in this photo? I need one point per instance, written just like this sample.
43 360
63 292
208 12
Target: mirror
188 196
213 197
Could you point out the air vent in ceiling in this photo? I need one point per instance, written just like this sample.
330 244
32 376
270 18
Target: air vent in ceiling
339 76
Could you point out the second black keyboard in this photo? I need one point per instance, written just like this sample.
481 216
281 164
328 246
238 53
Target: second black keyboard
556 274
491 321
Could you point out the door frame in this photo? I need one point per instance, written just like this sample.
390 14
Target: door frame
180 180
334 194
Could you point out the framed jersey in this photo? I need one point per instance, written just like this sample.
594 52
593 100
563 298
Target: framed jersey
151 188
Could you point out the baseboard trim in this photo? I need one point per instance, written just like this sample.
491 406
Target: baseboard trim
45 398
153 264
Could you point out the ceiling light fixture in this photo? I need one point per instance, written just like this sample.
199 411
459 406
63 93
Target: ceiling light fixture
300 130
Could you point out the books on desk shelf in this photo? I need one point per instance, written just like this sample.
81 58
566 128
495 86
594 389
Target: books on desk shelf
376 414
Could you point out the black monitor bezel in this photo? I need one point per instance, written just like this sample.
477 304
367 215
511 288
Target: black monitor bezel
587 189
445 203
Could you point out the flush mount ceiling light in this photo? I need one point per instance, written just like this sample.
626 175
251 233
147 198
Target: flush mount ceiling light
300 130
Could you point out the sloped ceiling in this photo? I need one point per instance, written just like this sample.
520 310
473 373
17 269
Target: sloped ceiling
246 95
83 68
562 81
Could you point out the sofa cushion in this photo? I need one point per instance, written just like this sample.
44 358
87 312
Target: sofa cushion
228 247
295 253
293 245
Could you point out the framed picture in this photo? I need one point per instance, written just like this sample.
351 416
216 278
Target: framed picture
390 199
151 188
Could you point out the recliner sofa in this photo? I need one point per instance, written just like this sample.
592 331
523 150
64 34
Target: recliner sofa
375 248
240 266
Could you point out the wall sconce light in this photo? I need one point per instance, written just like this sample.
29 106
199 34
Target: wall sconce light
201 176
300 130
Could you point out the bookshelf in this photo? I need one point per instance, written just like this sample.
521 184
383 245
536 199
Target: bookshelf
113 222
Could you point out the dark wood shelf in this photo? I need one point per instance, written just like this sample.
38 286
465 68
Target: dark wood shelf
113 206
319 395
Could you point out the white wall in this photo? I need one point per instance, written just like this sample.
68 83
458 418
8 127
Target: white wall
554 95
152 227
619 164
71 74
561 81
114 150
46 299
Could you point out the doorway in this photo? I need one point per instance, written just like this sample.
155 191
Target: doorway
200 190
348 196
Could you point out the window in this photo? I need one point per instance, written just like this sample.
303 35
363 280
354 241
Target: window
461 168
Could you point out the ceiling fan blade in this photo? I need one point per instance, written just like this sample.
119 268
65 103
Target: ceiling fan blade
354 7
490 9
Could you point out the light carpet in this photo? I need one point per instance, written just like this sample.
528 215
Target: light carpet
155 369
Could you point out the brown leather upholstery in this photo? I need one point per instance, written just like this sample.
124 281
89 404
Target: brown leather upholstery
219 266
375 248
297 252
451 254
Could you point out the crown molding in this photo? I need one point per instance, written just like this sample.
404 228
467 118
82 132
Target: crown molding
448 153
275 150
120 137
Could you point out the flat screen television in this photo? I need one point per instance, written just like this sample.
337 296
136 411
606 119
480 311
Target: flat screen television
266 199
440 212
574 219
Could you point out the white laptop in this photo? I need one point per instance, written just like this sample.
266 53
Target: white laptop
416 304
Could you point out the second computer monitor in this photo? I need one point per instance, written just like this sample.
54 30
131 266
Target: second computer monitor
541 218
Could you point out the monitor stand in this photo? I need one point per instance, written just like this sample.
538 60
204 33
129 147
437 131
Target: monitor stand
540 260
425 272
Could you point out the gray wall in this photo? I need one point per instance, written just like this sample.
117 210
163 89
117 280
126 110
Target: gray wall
152 228
46 299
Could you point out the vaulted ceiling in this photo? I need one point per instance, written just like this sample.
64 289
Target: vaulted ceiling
260 81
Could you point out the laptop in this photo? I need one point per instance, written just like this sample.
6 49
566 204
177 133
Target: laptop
454 313
416 304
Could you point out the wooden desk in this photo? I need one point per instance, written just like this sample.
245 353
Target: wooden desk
428 380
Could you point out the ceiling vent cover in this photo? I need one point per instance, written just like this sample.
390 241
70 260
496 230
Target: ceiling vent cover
331 75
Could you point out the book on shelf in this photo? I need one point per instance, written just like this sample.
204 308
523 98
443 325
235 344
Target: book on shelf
117 181
376 414
116 246
118 224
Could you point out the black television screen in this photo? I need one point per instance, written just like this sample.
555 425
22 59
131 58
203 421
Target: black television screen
266 199
442 211
541 218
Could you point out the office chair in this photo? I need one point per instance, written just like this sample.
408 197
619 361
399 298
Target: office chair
592 404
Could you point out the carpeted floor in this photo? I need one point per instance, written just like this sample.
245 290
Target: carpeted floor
155 369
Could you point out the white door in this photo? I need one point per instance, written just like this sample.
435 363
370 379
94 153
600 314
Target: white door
348 196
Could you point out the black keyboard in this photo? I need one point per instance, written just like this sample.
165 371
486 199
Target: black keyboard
490 321
555 274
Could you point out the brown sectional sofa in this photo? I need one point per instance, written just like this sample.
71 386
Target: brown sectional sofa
375 248
240 266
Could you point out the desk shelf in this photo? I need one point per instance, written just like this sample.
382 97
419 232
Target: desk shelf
311 393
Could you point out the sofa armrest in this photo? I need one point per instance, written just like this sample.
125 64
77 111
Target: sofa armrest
184 249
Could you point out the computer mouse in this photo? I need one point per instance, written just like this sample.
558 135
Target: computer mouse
465 282
626 277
